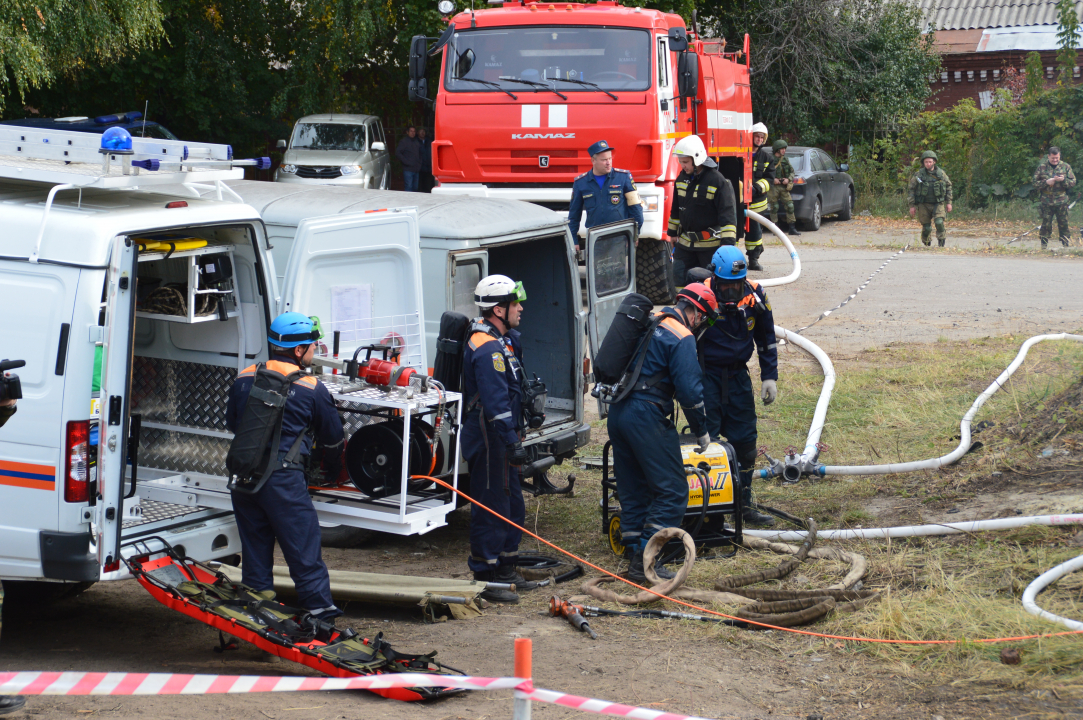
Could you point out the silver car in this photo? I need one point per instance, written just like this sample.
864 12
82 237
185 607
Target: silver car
334 149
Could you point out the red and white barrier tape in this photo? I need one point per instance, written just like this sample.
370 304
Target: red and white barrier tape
88 683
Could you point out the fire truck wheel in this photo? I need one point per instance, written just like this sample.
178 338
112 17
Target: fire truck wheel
344 536
654 271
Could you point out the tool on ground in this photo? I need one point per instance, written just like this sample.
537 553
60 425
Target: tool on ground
591 611
201 592
573 614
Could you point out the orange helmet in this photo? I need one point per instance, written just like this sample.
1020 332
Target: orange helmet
702 298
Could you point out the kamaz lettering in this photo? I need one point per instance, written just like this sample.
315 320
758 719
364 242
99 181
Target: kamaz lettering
543 136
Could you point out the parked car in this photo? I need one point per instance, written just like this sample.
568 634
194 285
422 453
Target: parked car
334 149
131 121
820 188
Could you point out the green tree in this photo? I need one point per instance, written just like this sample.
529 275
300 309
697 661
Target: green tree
42 40
1034 71
1067 39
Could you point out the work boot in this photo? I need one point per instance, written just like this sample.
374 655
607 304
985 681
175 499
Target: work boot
754 259
11 703
1045 243
793 229
750 515
941 241
508 575
1064 242
637 573
495 595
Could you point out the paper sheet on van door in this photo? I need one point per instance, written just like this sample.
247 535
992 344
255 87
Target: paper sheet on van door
351 312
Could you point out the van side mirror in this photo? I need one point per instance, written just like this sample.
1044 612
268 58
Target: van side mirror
678 39
378 146
687 74
281 145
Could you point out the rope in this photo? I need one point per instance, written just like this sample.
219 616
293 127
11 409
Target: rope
660 596
860 287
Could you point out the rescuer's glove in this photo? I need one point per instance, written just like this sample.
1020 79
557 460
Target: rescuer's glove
704 440
770 391
516 454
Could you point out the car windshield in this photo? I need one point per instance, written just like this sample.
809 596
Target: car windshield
156 132
798 162
328 136
512 58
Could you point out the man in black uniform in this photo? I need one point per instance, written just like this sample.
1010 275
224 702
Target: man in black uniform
763 175
704 211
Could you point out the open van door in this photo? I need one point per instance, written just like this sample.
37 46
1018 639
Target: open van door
115 408
360 274
611 277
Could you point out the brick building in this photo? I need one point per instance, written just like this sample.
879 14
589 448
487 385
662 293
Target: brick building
979 39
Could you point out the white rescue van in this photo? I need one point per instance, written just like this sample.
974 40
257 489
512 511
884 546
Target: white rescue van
112 260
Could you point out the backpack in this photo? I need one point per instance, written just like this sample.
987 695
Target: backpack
259 433
624 344
450 343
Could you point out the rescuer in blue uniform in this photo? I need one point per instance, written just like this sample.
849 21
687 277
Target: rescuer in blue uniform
492 434
606 193
282 508
744 322
650 475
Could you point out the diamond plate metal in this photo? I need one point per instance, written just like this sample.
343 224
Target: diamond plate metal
153 511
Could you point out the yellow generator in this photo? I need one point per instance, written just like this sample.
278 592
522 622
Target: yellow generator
712 496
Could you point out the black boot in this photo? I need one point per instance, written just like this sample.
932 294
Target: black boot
507 574
793 229
495 595
11 703
941 241
638 575
754 258
750 515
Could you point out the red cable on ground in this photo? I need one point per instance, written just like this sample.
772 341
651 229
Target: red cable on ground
733 617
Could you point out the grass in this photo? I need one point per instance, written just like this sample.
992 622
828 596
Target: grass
900 403
1015 210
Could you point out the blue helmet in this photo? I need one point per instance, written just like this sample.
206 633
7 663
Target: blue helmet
729 263
293 329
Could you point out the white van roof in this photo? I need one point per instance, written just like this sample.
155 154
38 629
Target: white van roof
443 217
79 231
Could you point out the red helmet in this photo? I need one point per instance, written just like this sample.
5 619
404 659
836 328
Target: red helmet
702 297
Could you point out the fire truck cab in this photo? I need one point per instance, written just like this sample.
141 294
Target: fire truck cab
526 87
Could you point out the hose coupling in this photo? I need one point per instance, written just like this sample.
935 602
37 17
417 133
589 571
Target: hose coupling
774 468
799 466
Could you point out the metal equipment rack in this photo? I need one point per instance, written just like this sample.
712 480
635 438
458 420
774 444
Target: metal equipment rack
416 508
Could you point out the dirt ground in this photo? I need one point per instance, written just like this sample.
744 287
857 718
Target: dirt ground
921 296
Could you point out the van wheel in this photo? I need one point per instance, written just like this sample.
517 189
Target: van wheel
654 271
344 536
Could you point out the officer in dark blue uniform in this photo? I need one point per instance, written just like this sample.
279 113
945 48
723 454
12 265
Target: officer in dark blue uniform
606 193
492 434
282 508
647 459
744 321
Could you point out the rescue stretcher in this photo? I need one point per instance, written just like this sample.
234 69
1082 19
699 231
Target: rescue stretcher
200 592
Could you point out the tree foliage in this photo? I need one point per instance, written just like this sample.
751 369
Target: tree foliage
1067 40
42 40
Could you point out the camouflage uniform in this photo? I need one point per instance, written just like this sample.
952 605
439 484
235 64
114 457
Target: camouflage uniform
1054 200
778 197
928 193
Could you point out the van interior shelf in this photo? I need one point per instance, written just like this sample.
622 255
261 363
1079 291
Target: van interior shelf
211 276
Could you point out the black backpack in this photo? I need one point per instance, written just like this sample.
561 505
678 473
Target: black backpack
624 344
255 444
450 343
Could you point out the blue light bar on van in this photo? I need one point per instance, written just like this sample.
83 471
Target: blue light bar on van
117 139
121 117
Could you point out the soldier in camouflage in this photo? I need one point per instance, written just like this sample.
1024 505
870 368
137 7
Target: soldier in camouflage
1053 179
929 194
778 197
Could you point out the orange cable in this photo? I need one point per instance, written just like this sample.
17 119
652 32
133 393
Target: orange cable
733 617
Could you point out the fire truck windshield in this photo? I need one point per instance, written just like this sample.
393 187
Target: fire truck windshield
610 58
328 136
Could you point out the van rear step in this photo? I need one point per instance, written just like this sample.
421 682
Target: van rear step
199 591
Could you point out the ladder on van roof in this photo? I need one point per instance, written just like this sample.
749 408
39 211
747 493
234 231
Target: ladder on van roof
70 160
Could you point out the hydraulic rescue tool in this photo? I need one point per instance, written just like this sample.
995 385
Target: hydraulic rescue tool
572 613
382 371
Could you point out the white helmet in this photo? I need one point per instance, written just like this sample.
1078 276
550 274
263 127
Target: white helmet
691 146
759 128
495 290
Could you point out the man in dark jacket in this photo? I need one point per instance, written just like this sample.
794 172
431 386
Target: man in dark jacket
647 460
426 182
409 154
763 176
703 215
282 508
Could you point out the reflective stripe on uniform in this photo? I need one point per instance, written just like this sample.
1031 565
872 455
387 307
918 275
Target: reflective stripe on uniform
675 327
501 416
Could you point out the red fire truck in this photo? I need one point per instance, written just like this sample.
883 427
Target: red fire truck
525 87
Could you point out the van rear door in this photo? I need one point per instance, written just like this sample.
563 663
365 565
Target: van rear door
115 409
360 274
610 277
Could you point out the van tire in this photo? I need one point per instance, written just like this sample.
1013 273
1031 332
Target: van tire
654 271
344 536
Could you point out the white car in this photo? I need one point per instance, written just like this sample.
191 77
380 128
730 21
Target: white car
334 149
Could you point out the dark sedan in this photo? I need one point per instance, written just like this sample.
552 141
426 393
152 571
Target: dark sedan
820 188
